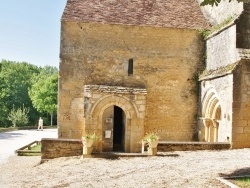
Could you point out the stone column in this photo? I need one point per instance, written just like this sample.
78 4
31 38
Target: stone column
214 121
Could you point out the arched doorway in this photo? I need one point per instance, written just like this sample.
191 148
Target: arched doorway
119 129
211 115
114 127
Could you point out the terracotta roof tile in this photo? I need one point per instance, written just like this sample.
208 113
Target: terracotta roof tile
161 13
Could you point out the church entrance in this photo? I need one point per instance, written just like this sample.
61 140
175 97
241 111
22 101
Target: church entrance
119 129
116 114
114 127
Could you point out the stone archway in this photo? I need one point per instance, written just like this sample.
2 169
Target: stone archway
211 117
99 102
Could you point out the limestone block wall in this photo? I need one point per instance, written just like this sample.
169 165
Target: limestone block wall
224 10
221 49
165 63
54 148
241 106
222 89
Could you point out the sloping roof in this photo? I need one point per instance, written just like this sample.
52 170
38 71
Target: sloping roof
161 13
219 72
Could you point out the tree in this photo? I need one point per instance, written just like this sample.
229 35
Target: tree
19 116
43 93
216 2
15 79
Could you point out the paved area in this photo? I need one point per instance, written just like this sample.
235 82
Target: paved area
11 141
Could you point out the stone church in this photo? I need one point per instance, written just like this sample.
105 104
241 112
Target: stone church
133 66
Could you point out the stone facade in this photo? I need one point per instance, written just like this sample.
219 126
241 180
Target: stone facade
241 105
99 54
225 85
129 68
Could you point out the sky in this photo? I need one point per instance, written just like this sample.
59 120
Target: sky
30 31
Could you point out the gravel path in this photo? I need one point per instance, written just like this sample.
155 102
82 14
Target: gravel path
170 169
11 141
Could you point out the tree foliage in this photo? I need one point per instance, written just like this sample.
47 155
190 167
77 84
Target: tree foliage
19 116
15 79
216 2
43 92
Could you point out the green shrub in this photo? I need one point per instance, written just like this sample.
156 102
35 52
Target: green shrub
19 116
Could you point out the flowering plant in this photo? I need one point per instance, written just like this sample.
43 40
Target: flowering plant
151 139
90 136
151 136
88 139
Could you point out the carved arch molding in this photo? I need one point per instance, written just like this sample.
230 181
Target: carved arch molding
98 98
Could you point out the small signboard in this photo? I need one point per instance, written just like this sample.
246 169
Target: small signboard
108 133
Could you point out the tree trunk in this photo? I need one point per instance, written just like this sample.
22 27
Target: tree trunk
51 118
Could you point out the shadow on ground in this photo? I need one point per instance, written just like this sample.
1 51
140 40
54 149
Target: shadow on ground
9 135
238 172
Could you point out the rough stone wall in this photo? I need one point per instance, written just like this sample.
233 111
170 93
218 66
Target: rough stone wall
54 148
243 29
224 10
221 49
241 106
191 146
223 89
165 63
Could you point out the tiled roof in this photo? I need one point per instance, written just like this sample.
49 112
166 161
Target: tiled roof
161 13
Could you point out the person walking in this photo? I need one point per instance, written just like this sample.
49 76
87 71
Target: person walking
40 124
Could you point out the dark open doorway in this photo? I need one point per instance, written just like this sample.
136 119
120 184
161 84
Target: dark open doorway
118 136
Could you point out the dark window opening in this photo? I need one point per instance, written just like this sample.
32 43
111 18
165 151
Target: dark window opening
130 66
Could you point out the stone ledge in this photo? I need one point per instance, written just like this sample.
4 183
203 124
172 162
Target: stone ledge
192 146
114 89
244 53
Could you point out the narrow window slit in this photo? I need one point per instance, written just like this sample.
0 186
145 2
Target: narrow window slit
130 67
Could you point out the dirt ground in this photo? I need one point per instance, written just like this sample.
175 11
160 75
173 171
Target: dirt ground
168 169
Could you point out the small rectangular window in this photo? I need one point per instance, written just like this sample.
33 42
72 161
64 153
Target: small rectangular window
130 66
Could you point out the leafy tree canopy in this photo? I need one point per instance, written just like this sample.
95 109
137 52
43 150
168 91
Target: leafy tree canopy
43 92
15 79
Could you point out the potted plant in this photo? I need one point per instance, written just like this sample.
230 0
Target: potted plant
151 139
87 141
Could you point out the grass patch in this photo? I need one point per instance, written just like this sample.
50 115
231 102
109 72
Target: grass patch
243 182
32 149
36 147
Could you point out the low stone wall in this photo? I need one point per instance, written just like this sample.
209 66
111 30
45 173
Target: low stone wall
192 146
54 148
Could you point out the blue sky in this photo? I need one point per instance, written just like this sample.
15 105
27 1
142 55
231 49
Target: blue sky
30 31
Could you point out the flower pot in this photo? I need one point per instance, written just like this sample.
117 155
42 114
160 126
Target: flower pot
153 143
87 150
152 151
87 142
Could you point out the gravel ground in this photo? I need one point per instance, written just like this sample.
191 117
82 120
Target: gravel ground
168 169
